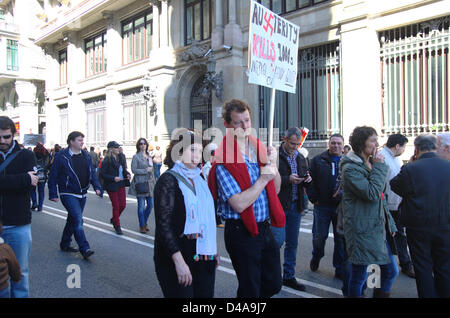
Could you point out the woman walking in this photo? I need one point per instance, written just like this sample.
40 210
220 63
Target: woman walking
368 225
42 167
143 183
115 178
185 235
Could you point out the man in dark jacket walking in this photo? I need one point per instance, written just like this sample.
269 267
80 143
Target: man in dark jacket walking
72 171
424 185
324 171
16 182
293 169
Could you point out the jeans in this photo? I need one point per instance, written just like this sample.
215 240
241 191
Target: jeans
4 293
19 238
401 242
144 211
74 223
157 167
41 188
289 234
430 253
358 276
323 216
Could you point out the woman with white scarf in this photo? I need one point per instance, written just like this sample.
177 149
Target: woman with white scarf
185 234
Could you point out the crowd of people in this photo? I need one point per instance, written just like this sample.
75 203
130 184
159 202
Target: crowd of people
378 207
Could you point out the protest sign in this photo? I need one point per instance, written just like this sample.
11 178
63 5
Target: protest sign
273 50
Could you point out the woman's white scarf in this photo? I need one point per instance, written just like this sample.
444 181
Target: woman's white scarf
200 211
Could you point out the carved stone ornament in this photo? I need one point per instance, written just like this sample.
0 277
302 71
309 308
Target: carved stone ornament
194 52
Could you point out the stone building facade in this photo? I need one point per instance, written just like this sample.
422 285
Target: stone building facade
122 69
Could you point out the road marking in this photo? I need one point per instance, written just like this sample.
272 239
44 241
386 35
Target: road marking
222 258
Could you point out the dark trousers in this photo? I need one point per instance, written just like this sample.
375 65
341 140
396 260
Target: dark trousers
203 273
256 260
430 253
401 242
40 188
323 217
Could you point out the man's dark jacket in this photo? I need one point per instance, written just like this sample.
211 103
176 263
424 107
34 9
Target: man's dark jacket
284 169
62 174
15 186
321 191
424 186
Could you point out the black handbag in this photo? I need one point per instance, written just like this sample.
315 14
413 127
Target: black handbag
142 188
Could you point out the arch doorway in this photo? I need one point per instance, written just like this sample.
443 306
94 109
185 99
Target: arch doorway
201 105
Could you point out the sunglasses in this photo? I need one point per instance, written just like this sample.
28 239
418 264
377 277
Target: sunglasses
142 143
5 137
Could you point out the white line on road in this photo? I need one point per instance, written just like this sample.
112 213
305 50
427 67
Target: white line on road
221 268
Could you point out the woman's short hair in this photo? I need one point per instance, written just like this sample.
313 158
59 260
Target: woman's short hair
232 105
185 136
359 137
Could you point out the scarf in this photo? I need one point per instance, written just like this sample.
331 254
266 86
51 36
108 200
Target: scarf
229 155
200 212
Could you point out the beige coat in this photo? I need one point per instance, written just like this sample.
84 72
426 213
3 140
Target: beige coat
139 165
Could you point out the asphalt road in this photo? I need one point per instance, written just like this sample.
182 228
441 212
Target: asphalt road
122 266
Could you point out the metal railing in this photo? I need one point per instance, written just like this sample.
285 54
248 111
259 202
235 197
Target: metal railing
415 78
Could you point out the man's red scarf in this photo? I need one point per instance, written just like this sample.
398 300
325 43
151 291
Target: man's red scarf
234 162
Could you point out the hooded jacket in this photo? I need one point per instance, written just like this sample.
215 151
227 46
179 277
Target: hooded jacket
62 173
366 219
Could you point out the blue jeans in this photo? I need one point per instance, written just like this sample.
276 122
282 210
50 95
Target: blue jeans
74 223
144 211
4 293
41 188
323 216
358 276
19 238
157 167
289 234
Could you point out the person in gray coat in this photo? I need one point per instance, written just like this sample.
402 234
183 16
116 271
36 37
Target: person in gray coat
143 183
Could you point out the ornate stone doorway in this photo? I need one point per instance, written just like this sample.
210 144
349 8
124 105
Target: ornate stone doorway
201 105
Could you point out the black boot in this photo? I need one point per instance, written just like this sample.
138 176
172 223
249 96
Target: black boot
378 293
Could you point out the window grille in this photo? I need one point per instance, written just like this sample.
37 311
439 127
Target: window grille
316 104
415 78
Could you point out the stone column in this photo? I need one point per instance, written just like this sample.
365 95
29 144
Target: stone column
233 33
164 24
28 111
218 32
155 40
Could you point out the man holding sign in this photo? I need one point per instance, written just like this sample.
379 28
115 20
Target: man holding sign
245 186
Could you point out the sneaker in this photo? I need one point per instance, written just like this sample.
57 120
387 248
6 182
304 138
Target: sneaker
87 254
34 207
293 283
314 264
69 249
